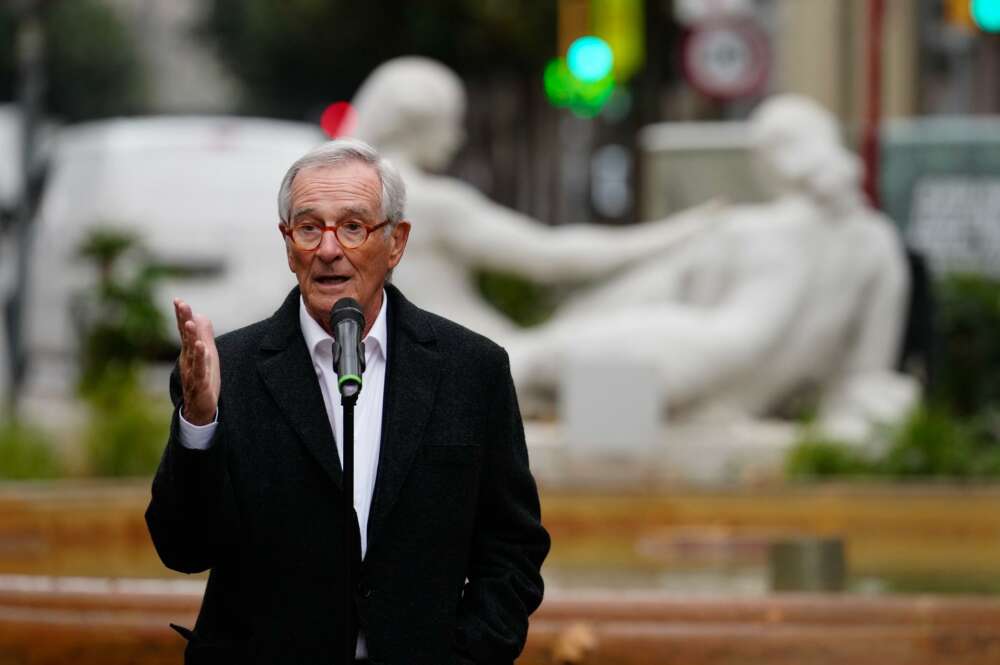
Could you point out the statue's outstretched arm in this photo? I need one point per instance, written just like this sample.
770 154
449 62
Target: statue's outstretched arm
698 348
488 235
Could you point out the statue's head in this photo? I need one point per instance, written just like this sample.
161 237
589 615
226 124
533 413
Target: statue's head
412 107
797 142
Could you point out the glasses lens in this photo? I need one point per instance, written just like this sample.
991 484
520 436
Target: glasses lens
352 234
307 236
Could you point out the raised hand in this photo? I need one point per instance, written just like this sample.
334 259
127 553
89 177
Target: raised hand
199 365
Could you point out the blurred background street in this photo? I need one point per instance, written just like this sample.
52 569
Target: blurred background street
782 215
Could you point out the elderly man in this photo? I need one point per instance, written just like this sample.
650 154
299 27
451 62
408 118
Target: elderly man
449 535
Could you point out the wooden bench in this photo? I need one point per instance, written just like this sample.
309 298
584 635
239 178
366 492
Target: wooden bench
50 621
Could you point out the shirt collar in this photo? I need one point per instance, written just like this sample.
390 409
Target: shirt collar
315 336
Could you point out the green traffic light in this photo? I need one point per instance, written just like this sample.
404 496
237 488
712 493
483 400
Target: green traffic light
559 82
585 99
986 14
590 59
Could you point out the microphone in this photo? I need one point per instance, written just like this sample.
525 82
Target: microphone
347 322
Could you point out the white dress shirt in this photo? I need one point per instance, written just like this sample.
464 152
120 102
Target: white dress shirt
367 413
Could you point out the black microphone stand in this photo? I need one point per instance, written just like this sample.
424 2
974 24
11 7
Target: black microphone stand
349 365
349 521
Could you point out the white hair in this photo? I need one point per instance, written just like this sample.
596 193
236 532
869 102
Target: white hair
339 151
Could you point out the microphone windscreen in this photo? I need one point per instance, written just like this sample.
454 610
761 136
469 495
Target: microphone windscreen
347 309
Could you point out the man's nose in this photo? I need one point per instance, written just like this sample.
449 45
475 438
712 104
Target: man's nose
329 247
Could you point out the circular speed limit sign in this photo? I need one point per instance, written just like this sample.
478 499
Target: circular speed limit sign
726 61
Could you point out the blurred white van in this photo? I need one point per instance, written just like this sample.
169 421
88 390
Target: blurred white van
199 191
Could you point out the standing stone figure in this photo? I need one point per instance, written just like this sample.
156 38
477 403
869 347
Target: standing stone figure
412 109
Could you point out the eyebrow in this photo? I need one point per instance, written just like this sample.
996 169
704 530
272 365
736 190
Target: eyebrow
349 211
301 212
356 211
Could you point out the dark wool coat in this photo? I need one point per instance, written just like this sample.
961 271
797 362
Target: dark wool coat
455 539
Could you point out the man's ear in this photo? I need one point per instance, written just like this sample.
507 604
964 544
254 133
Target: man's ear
397 242
288 246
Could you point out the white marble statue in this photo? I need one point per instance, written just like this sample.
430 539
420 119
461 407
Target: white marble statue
803 296
739 310
412 109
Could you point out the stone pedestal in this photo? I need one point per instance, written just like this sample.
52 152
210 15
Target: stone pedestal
610 406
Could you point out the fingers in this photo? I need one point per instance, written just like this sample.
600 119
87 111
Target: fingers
199 363
196 335
203 327
182 312
199 370
190 326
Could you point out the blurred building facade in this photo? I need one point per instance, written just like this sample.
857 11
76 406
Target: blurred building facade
183 73
820 51
561 168
934 58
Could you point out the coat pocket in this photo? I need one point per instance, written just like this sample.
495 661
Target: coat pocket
186 633
212 651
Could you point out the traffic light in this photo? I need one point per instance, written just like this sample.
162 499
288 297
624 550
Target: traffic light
590 59
579 89
602 43
986 14
958 13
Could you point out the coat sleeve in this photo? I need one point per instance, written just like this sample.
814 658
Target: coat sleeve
191 516
504 575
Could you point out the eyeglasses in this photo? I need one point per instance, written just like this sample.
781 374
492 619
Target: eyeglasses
350 234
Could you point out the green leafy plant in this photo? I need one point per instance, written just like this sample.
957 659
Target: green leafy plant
524 302
930 443
127 428
967 379
26 453
121 329
120 324
815 456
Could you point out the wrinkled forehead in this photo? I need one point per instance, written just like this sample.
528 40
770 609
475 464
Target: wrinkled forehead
353 185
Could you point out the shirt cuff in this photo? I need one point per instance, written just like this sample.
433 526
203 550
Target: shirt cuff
197 437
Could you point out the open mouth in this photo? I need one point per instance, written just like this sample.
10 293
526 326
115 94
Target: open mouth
331 280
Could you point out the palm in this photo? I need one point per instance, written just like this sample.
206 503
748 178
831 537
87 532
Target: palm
201 378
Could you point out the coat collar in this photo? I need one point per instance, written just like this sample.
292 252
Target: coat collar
286 367
413 371
412 374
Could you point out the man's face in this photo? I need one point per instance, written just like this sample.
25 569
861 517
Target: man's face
327 195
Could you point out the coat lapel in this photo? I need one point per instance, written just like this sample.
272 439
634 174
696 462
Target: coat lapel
413 371
287 370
